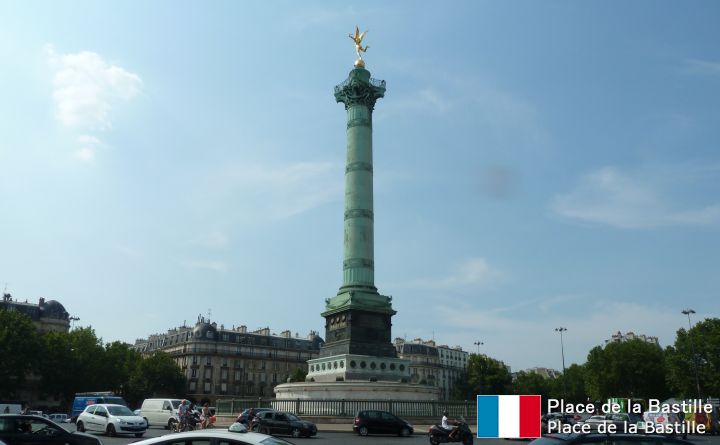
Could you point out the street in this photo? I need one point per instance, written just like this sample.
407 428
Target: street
347 438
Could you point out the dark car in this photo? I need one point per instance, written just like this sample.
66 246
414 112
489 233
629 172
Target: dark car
277 422
563 418
16 429
607 439
380 422
243 416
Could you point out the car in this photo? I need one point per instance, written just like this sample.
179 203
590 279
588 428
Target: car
278 422
595 421
85 399
18 429
160 412
617 419
59 418
214 437
111 420
380 422
563 418
243 416
605 439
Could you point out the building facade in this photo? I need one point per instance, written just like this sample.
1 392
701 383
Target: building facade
547 373
220 362
628 336
440 366
48 315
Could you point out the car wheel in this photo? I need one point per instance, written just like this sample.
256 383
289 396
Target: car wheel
139 434
434 441
111 430
405 431
147 424
80 427
296 432
363 431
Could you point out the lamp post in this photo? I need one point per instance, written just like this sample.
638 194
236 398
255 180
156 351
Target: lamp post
562 352
478 343
692 349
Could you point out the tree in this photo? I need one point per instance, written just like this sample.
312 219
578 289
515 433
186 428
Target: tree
19 350
119 364
483 375
626 369
532 383
156 375
704 339
72 362
298 375
574 384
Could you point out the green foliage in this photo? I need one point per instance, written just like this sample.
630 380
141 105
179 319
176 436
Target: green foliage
627 369
298 375
532 383
156 376
19 350
704 339
574 381
484 375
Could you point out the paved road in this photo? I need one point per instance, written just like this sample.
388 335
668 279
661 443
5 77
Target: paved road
343 438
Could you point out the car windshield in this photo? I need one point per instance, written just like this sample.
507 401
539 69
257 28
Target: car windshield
291 416
120 410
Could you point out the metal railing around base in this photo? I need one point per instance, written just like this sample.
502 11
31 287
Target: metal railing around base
348 408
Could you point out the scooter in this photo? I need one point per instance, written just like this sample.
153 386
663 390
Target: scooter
437 434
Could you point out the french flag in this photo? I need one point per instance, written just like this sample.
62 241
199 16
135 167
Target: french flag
510 417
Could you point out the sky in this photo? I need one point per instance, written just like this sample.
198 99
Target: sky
537 165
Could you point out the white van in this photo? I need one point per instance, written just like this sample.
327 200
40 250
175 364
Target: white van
159 412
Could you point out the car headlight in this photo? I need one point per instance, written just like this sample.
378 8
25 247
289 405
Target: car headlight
121 421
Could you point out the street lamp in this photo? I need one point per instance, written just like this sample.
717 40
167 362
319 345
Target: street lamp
478 343
692 349
562 352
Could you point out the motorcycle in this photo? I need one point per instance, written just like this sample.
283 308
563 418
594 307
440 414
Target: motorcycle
191 422
438 434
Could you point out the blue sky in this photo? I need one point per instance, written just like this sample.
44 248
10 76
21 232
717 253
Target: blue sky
537 164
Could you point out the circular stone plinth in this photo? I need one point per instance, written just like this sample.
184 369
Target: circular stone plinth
355 390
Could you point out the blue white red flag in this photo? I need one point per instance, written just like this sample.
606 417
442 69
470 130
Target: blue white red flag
508 416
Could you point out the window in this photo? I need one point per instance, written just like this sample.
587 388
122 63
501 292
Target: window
208 373
193 386
207 386
193 373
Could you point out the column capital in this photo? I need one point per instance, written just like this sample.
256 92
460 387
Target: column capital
360 89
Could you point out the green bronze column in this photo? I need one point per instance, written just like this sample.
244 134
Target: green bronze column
358 318
359 93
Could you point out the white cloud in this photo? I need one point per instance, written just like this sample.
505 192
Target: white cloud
211 240
216 266
86 154
86 88
279 192
704 67
611 197
88 148
535 342
473 272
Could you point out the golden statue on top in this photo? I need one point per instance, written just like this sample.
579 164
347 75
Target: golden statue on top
357 38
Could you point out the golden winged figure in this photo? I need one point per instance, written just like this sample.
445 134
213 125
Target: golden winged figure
357 38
